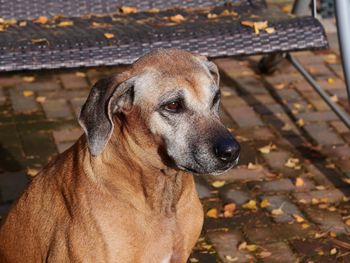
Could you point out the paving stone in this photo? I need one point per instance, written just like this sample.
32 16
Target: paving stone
233 102
67 135
12 185
57 109
77 103
248 154
339 126
277 159
331 195
318 116
276 232
62 146
2 97
337 69
283 185
203 188
322 134
225 119
22 104
9 81
323 176
343 165
244 116
337 151
38 145
281 252
289 95
242 174
40 86
229 195
283 203
327 220
64 94
256 133
319 104
251 85
269 109
279 121
226 244
72 81
335 84
285 78
227 91
258 99
320 71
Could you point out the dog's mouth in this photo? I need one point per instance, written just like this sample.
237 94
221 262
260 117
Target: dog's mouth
214 173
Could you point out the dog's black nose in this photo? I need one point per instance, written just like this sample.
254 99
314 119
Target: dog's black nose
227 149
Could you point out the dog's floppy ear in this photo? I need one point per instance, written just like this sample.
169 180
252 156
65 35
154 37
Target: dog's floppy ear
213 69
106 97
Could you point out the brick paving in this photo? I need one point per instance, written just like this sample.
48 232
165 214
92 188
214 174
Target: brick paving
291 202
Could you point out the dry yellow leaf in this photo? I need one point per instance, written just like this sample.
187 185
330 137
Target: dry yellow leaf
286 127
292 162
28 78
41 20
177 18
213 213
228 13
28 93
41 99
334 98
65 23
264 254
314 201
252 166
194 260
22 23
251 204
128 9
229 209
277 211
320 187
212 16
331 59
305 226
270 30
267 148
242 245
299 182
280 86
298 218
231 259
330 165
264 203
333 234
251 247
333 251
218 184
108 35
153 10
330 80
257 26
301 122
32 172
80 74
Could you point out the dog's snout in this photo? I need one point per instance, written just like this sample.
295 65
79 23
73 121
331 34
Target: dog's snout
227 149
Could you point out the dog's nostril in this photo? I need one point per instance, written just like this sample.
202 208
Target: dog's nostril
227 152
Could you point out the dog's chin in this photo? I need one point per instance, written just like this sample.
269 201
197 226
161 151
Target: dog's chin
215 172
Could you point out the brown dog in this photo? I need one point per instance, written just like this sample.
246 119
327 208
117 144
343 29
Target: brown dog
123 192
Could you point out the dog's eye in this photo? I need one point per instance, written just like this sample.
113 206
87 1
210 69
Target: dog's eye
216 98
174 106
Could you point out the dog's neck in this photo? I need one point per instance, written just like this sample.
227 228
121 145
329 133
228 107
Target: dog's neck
142 171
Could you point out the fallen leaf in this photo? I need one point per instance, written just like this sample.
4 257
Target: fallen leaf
334 98
286 127
305 226
194 260
299 182
257 26
277 211
100 25
242 245
231 259
292 162
241 138
40 41
212 16
264 203
287 8
331 59
41 20
320 187
28 78
153 10
28 93
252 166
80 74
213 213
298 218
330 80
264 254
251 247
346 180
280 86
228 13
270 30
347 222
301 122
177 18
267 148
251 204
22 23
65 23
314 201
128 10
108 35
332 234
333 251
218 184
32 172
229 209
41 99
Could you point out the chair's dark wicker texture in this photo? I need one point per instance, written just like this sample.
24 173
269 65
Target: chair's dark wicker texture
37 46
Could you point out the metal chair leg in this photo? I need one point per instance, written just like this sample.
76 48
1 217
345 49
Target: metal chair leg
342 9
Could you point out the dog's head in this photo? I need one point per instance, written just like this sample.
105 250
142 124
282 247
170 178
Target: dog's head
169 100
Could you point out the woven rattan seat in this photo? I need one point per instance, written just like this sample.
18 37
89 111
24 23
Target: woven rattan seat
29 45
